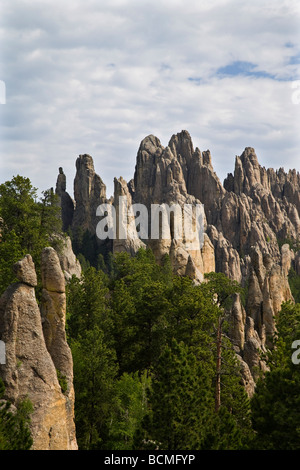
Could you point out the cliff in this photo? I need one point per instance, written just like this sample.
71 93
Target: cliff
247 228
37 353
246 222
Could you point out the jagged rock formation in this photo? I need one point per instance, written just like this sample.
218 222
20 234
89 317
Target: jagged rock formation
68 261
53 313
131 242
164 176
66 202
89 193
246 221
31 364
264 214
246 218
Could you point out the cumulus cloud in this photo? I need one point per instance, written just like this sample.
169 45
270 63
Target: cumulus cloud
97 77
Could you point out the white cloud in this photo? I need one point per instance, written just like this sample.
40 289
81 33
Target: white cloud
97 77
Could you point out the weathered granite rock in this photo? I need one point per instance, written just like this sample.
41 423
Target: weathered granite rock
287 258
127 238
268 289
68 261
247 378
253 347
66 202
227 259
89 193
271 205
25 271
245 222
29 371
53 313
237 326
52 276
162 176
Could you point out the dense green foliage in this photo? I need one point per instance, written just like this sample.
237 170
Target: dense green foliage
14 425
276 403
153 363
27 225
144 346
157 335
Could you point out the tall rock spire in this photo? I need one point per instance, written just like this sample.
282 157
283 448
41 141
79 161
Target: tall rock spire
66 202
30 371
89 193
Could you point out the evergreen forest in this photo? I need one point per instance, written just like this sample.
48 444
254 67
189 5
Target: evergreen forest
154 366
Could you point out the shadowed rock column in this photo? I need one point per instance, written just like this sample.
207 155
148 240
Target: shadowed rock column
29 371
66 202
53 311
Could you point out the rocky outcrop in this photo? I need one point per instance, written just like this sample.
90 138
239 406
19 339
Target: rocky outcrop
53 313
163 176
265 214
127 238
66 202
68 261
30 371
89 193
246 223
268 289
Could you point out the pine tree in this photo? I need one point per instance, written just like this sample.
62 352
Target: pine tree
139 304
95 372
276 403
129 411
27 225
87 303
179 401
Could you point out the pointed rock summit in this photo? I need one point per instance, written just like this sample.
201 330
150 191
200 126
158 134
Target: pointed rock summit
89 193
66 202
247 221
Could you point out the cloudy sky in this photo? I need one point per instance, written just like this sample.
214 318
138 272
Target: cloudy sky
97 76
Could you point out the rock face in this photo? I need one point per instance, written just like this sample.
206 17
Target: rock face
30 370
79 215
128 240
246 223
53 313
68 261
89 193
66 202
167 176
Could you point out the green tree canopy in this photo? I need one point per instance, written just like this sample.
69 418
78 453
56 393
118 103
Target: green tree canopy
14 425
27 224
276 403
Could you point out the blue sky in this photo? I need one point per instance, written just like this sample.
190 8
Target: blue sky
98 76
